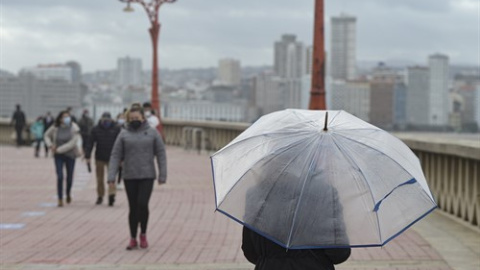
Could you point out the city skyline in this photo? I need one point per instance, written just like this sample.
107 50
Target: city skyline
198 34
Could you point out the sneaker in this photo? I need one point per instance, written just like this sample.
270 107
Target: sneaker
60 203
69 199
133 244
111 200
143 241
99 200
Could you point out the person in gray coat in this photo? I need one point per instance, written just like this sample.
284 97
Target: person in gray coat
137 146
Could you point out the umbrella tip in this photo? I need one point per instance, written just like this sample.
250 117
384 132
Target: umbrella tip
326 122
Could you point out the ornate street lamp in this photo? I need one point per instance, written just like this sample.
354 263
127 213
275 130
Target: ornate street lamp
317 93
152 9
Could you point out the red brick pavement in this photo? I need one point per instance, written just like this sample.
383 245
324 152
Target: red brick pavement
183 229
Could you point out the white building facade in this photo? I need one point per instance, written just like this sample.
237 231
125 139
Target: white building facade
351 96
50 72
37 96
418 87
289 58
438 90
229 72
205 111
129 71
343 48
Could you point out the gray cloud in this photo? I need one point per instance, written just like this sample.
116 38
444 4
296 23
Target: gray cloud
197 33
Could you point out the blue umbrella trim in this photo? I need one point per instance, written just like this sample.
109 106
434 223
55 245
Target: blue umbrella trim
324 247
409 182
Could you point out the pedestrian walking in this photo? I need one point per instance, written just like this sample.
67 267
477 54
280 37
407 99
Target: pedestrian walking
121 119
19 121
86 125
62 139
72 116
37 129
48 121
102 137
138 145
150 115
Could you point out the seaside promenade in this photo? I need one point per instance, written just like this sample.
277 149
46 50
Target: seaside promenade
184 230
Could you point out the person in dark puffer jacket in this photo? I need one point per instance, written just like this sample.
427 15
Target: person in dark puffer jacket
103 137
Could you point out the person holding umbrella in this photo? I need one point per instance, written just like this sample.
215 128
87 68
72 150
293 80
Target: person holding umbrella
102 137
314 184
263 251
138 145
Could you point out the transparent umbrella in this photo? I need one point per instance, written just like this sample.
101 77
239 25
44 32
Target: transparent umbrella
320 179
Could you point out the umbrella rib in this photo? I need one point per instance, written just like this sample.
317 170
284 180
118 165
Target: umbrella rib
380 152
351 160
283 149
302 191
283 170
294 132
399 153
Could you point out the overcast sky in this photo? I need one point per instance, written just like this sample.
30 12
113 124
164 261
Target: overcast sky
197 33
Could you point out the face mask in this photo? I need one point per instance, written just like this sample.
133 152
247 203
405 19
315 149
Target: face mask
107 123
148 113
121 121
135 124
67 120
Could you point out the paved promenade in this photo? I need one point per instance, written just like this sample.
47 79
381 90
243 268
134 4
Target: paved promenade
184 231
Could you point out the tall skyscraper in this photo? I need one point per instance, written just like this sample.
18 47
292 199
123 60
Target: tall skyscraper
438 90
343 48
418 95
229 72
289 60
129 71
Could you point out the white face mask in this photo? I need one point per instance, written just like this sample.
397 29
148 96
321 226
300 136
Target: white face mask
121 121
67 120
148 113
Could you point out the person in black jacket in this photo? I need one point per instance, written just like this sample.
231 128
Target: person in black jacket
318 215
19 121
86 125
103 137
267 255
47 122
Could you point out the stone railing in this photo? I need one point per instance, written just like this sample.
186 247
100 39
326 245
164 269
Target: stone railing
201 136
451 166
452 169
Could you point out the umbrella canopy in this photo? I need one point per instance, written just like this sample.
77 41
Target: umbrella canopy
305 181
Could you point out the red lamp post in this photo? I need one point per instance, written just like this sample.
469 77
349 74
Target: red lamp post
152 9
317 93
